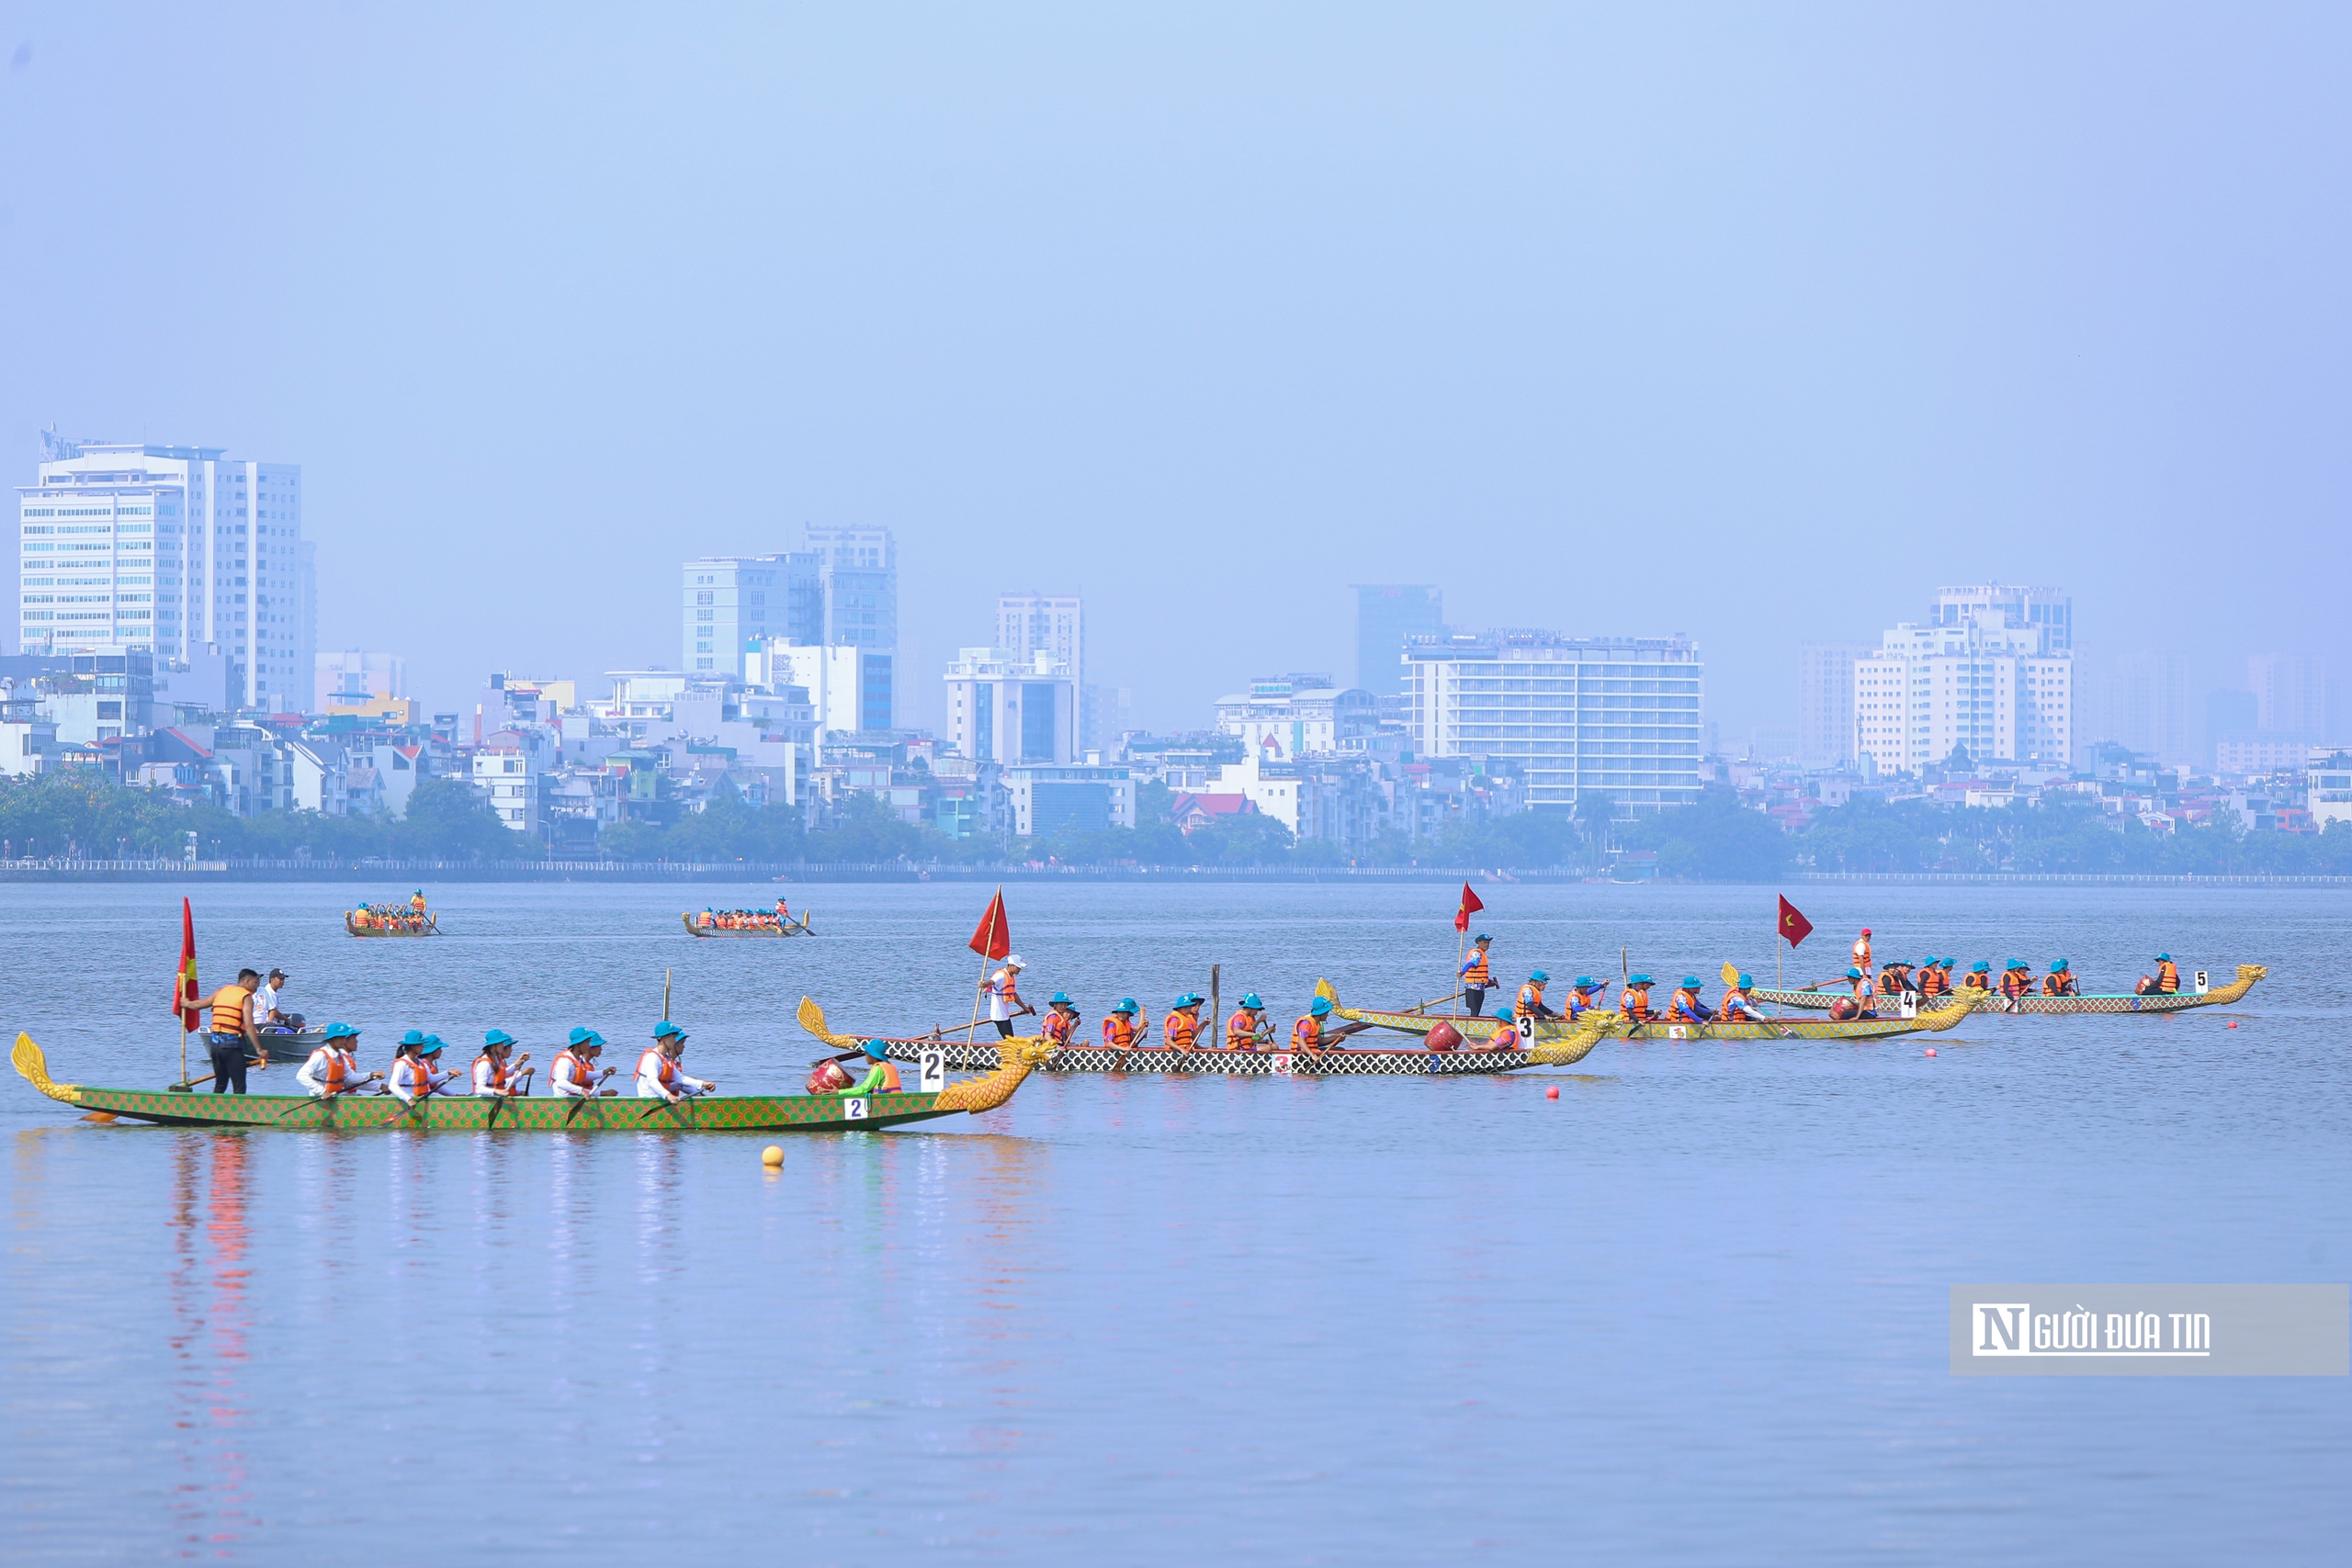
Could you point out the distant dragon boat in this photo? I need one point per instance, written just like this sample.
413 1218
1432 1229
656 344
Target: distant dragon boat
1612 1025
1994 1002
431 927
1333 1061
788 929
702 1113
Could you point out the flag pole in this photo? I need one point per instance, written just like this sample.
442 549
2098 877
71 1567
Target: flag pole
976 990
1461 947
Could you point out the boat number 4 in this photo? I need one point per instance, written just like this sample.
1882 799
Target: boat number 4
1279 1065
854 1110
934 1070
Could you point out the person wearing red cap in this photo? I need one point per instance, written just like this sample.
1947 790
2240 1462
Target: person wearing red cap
1862 952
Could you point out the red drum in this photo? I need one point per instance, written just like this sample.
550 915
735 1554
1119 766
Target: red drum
828 1078
1444 1037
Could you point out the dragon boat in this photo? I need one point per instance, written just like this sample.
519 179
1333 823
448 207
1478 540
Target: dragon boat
799 929
431 927
1612 1025
2203 995
703 1113
936 1053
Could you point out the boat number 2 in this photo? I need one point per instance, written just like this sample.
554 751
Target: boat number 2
1279 1065
855 1110
934 1070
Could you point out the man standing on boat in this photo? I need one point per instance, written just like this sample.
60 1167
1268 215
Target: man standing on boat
659 1077
1477 975
1862 952
233 1031
1002 991
1180 1026
333 1068
574 1074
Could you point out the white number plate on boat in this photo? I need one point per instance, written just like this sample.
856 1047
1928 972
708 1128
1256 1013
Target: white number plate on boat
1677 1032
934 1070
1279 1065
855 1110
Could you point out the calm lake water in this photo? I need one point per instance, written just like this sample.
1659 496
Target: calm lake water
1692 1311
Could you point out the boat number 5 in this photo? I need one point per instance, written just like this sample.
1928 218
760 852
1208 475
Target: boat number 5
855 1110
1279 1065
934 1070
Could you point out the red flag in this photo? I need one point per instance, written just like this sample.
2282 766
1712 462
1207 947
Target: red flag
993 937
1794 925
186 999
1471 905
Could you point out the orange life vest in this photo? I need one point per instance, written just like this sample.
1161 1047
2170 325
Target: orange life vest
1475 973
577 1075
1736 1005
336 1066
229 1009
1306 1034
1685 1003
1635 1003
2057 985
1531 997
413 1073
497 1070
1119 1031
1934 982
888 1071
1056 1027
1976 981
1862 954
1181 1029
2016 982
1241 1031
665 1071
2168 978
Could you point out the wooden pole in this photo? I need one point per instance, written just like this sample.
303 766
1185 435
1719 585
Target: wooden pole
665 995
1461 947
1217 1010
976 1000
183 1047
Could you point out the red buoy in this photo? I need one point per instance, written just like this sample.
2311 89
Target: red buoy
2234 1023
1931 1050
1553 1092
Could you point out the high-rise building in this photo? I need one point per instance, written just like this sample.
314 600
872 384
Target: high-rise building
1386 615
175 551
1825 702
2289 693
1031 624
860 571
734 601
1585 717
1009 710
1991 674
2139 700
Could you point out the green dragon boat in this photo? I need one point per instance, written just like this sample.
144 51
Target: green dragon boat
2068 1007
702 1113
935 1052
1612 1025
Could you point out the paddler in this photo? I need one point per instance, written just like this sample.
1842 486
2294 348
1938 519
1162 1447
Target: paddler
1002 991
1180 1026
1306 1034
1634 1001
1061 1020
882 1077
413 1078
1739 1006
333 1069
1935 980
1477 975
1120 1030
231 1032
1862 1003
1529 1006
1979 977
574 1075
1586 995
2016 979
1246 1028
1686 1005
659 1077
2060 981
1895 978
2164 982
494 1075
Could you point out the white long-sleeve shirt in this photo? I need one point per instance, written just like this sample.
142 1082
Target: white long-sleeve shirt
572 1077
648 1078
408 1076
482 1077
314 1073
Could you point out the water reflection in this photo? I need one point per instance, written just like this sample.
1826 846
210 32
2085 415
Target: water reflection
210 1336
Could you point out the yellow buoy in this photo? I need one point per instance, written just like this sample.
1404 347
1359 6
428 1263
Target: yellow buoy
771 1156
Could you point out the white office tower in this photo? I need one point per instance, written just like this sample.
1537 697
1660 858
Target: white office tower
170 550
1826 703
1585 717
1031 624
1010 710
1991 674
733 603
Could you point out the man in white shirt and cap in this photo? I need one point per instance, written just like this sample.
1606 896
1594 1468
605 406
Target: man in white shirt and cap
1004 992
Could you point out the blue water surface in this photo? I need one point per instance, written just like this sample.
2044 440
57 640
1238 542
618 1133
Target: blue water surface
1692 1311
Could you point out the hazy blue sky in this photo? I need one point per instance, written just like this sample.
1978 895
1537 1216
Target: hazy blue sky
1752 322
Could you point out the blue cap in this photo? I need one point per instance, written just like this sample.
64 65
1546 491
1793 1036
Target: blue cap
1482 936
1127 1004
1587 983
433 1043
666 1030
1745 979
1319 1006
874 1048
1538 976
413 1037
497 1037
578 1037
341 1032
1058 999
1690 982
1252 1000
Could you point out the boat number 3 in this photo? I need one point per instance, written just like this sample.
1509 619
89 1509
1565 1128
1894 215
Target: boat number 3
1279 1065
1677 1032
855 1110
934 1070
